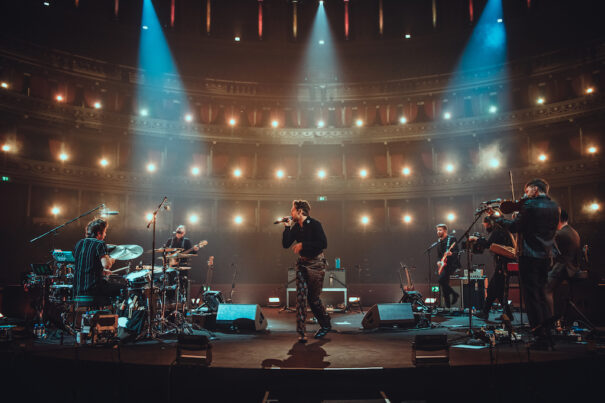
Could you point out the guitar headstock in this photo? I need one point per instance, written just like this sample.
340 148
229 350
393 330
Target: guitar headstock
202 244
211 261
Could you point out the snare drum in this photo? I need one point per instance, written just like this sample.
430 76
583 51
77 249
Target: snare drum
137 279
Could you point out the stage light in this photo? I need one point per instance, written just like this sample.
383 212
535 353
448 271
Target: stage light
145 27
540 101
403 120
103 162
97 105
592 150
149 216
499 20
151 167
595 207
365 220
275 123
232 122
193 218
238 219
59 98
46 3
447 115
494 163
430 300
321 174
55 210
280 173
4 85
321 42
6 147
321 2
363 173
63 157
144 112
354 299
449 168
408 36
237 39
321 124
274 300
589 90
195 171
359 122
542 157
451 217
188 117
237 172
406 171
407 218
493 109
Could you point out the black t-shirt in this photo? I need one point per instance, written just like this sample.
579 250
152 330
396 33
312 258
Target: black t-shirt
183 243
311 234
89 269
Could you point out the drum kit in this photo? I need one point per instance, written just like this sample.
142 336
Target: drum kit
165 285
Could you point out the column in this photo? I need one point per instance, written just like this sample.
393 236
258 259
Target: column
257 216
299 162
387 216
255 164
389 168
344 163
209 160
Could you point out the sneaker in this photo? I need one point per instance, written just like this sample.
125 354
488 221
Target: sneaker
302 339
322 332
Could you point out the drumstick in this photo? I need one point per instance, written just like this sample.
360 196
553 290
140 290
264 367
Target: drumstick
120 269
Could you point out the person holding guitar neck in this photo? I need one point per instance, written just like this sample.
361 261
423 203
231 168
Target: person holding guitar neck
179 241
447 250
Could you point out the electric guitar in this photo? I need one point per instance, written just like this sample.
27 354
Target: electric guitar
443 262
173 261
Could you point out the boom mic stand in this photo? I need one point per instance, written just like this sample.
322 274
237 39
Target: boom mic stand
428 255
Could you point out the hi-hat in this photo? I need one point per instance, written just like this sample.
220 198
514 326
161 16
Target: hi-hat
125 252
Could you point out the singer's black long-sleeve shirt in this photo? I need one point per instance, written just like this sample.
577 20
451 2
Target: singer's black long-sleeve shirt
311 234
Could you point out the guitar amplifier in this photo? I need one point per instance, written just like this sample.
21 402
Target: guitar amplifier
332 279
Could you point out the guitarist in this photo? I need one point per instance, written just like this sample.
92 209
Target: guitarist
447 250
178 240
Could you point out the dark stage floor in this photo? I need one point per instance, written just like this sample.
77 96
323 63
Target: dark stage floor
350 363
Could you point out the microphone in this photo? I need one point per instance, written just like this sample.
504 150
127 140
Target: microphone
104 211
285 219
492 201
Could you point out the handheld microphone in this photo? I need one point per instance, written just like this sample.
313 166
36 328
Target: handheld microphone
285 219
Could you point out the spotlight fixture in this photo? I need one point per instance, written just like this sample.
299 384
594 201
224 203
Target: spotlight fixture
280 173
274 123
63 157
238 219
449 168
403 120
237 39
321 42
4 85
55 210
144 112
232 122
540 101
59 98
145 27
365 220
46 3
493 109
359 122
451 217
592 150
6 147
195 171
542 157
447 115
589 90
407 219
363 173
193 218
97 105
103 162
151 167
321 174
237 172
188 117
321 124
406 171
354 299
408 36
499 20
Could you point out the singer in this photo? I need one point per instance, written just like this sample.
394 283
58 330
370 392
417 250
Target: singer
310 241
452 264
178 240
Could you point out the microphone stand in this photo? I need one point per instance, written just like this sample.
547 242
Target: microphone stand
56 229
152 222
428 255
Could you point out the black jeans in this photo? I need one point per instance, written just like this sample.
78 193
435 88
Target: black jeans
309 282
534 274
444 286
497 285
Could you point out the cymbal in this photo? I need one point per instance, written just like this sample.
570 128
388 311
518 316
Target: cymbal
126 252
180 255
168 250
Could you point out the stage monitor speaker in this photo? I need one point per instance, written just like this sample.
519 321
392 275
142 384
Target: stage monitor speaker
400 314
241 316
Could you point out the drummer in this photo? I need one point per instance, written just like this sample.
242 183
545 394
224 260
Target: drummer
178 240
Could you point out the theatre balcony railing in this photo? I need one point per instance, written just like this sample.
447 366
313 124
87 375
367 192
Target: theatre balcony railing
41 115
49 174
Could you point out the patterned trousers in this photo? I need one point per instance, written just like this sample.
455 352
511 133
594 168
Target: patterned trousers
309 282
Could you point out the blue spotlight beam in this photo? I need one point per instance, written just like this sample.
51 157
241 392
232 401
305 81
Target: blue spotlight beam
320 63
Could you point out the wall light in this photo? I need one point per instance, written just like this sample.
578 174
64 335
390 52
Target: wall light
4 85
321 124
451 217
59 98
449 168
540 101
103 162
188 117
55 210
447 115
97 105
144 112
193 218
151 167
365 220
238 219
6 147
403 120
542 157
406 171
359 122
195 171
592 150
232 122
237 172
589 90
321 174
280 173
275 123
63 157
493 109
407 218
363 173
